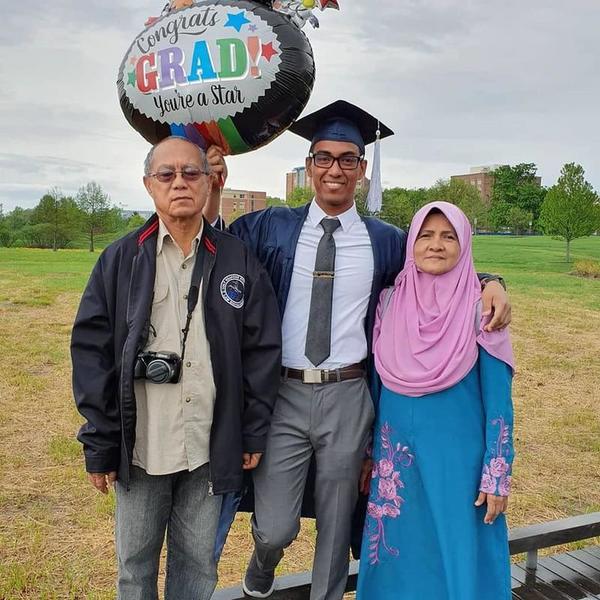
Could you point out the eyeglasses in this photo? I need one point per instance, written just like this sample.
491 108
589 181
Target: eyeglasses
346 163
168 175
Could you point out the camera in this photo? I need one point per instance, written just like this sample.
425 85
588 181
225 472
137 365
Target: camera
158 367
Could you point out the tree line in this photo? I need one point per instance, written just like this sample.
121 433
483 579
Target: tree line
519 204
61 221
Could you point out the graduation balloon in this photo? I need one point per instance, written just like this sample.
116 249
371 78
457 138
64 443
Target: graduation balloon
235 73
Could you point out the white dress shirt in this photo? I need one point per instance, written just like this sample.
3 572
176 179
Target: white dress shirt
354 267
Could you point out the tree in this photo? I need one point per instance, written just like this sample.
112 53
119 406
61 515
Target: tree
96 207
400 205
13 226
273 201
56 196
300 196
360 198
115 222
61 218
5 236
518 220
516 186
570 209
135 221
463 195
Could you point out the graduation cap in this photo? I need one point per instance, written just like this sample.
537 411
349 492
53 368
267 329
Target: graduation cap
345 122
341 122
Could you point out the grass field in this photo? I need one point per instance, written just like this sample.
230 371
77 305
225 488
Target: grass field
56 533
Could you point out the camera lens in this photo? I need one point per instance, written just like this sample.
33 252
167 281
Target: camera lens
158 371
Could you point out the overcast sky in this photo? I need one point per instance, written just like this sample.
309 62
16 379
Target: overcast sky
462 83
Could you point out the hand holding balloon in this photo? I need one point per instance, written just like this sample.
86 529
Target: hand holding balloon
218 167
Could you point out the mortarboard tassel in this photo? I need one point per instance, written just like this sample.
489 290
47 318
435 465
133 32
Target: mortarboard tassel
375 197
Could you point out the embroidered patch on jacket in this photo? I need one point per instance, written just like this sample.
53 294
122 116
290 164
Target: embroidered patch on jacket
232 290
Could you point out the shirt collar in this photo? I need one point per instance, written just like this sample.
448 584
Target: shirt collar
347 219
163 233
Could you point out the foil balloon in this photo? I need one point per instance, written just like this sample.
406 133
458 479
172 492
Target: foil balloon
235 73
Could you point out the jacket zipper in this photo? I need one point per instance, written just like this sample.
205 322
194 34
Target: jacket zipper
206 276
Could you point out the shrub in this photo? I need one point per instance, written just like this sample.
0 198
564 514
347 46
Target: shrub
587 268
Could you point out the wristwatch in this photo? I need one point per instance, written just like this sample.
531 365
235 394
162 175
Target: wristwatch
497 278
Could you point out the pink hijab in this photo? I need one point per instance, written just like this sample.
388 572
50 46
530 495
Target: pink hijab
426 336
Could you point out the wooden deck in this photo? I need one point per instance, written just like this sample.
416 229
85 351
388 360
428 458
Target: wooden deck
571 576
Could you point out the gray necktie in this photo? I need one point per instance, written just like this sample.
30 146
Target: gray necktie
318 336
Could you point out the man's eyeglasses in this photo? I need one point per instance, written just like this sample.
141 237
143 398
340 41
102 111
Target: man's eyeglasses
346 163
168 175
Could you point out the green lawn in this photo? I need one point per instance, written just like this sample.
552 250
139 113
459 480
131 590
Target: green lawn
536 265
57 533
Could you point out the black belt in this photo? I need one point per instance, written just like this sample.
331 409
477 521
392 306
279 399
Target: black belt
356 371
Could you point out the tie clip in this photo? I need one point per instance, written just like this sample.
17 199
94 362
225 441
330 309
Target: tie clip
324 274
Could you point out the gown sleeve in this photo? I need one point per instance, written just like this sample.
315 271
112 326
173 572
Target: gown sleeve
496 388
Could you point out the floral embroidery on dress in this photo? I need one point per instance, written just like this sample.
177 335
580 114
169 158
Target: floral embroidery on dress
385 501
496 477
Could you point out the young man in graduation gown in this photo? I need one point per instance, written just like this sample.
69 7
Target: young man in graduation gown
328 266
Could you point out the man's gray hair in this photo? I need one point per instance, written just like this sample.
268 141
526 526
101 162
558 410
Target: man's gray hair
150 157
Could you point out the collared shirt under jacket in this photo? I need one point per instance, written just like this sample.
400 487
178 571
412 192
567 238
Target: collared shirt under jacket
242 328
273 235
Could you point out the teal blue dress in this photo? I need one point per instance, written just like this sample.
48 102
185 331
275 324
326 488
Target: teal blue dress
424 538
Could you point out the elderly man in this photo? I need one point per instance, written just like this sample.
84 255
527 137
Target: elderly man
176 365
328 265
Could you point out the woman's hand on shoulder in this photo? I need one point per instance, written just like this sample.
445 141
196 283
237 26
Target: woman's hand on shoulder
495 506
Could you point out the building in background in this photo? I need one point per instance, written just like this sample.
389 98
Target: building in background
235 203
482 178
298 178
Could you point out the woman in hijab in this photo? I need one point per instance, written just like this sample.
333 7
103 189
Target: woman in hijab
442 449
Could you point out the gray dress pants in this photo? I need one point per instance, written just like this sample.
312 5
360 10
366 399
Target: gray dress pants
333 422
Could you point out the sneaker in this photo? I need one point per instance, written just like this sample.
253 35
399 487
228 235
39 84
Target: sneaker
258 583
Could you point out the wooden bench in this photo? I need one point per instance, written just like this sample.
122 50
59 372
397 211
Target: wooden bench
570 576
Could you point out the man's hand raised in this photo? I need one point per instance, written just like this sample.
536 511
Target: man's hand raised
216 161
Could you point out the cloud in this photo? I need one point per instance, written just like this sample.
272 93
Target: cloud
462 83
24 20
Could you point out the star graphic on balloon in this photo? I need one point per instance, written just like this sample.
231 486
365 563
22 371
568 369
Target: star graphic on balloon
237 21
268 51
327 3
252 27
133 60
131 78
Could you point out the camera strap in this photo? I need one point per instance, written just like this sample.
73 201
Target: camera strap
194 293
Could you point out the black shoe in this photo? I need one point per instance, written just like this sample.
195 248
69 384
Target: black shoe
257 582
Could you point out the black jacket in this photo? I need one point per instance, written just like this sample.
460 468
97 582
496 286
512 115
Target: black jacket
110 330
